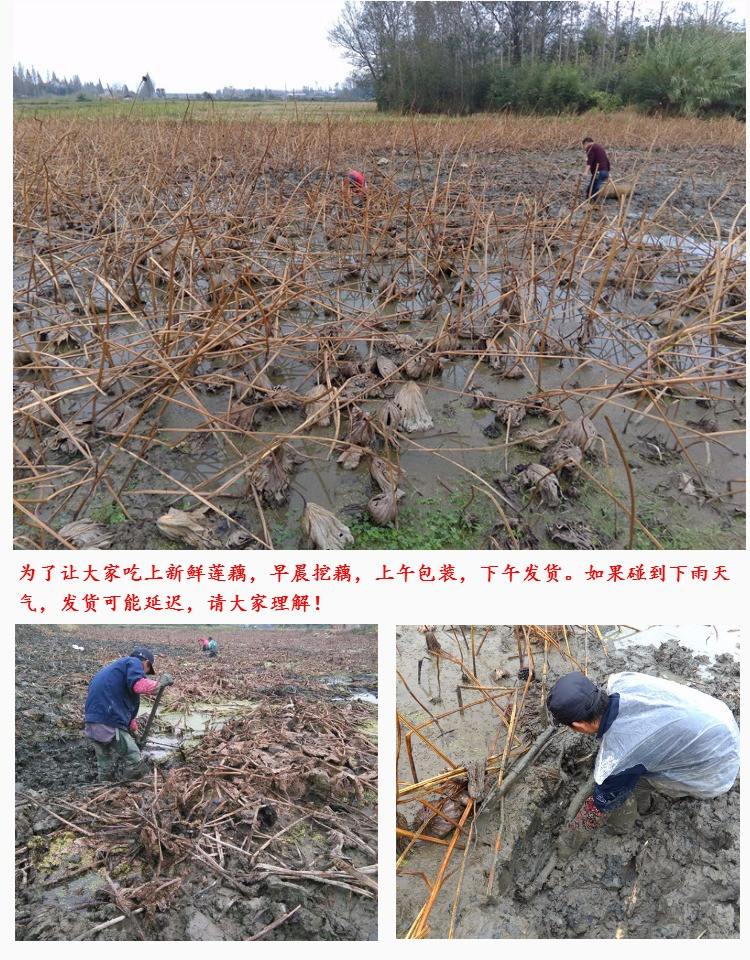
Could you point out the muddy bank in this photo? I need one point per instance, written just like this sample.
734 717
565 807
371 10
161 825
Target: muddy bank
468 359
676 875
258 815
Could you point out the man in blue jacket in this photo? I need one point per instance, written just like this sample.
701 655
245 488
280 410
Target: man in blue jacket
112 704
654 734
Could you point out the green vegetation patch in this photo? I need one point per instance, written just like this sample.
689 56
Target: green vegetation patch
110 513
432 525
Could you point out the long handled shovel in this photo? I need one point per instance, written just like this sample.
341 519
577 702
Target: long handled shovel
144 735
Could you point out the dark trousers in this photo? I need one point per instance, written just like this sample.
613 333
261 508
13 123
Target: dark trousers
596 183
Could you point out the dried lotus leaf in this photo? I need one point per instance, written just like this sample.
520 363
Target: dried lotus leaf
386 367
189 526
87 534
413 409
564 455
318 408
361 430
389 415
581 432
383 508
387 475
324 529
242 416
544 482
272 476
351 457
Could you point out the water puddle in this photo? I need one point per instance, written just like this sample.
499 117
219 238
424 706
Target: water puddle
348 691
697 249
76 893
174 729
362 696
707 641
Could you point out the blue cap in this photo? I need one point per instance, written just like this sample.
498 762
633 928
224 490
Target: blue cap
143 653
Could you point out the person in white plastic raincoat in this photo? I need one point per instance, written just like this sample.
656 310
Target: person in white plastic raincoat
654 733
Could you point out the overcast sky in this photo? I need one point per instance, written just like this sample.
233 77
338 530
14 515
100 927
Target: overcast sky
185 45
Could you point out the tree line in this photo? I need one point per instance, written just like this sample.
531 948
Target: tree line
28 82
545 57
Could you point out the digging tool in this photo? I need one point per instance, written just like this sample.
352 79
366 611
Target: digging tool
157 698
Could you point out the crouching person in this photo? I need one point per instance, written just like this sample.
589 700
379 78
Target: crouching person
655 734
112 704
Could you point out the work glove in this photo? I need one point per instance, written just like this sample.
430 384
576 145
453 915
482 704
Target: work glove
134 727
580 829
166 680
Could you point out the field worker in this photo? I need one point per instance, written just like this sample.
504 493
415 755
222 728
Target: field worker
356 183
112 704
597 162
204 644
654 733
213 647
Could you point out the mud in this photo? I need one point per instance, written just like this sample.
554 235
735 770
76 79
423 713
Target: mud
676 875
287 833
362 278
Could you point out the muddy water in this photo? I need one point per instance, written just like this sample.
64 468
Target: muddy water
173 730
457 454
590 896
468 735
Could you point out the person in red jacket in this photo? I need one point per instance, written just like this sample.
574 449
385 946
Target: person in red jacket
356 183
597 162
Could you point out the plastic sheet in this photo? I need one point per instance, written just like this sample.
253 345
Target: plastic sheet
687 741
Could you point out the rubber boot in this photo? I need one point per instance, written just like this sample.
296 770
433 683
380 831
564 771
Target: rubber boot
135 767
622 820
138 772
105 761
571 841
643 796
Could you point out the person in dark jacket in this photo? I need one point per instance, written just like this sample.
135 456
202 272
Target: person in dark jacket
653 734
597 162
112 704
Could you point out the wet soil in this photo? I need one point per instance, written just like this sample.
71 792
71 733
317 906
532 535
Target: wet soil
676 875
259 804
513 300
